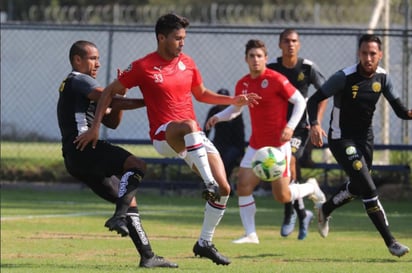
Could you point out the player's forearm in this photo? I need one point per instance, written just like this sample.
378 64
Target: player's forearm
299 106
229 113
112 120
400 110
121 103
321 110
313 107
102 104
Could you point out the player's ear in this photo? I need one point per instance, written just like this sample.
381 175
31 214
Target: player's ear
77 60
380 55
161 37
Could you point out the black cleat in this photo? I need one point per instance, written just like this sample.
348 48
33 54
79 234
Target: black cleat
211 193
210 252
156 261
119 224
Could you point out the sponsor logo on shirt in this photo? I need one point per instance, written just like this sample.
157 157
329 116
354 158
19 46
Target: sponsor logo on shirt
264 83
301 77
376 87
181 65
357 165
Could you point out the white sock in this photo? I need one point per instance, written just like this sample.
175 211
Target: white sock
300 190
198 155
247 210
301 203
213 214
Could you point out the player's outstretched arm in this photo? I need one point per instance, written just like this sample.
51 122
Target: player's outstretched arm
92 135
202 94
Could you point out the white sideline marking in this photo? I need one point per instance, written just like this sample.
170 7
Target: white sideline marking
44 216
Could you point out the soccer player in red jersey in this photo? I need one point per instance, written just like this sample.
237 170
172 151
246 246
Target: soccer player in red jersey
167 79
302 73
270 127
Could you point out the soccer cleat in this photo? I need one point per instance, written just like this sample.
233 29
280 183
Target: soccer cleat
210 252
288 225
211 193
119 224
252 238
156 261
323 223
304 225
318 197
398 249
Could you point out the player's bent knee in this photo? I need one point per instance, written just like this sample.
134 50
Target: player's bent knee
281 197
133 162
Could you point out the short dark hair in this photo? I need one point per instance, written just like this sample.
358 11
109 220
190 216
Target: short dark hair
255 44
287 31
79 48
167 23
370 38
223 91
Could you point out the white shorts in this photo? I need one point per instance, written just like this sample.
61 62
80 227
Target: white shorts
250 152
163 148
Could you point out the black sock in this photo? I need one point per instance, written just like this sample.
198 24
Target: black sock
288 211
137 233
376 213
127 190
340 198
300 210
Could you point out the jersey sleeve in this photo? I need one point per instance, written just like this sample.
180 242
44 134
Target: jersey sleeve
287 87
197 77
388 90
334 84
129 78
84 84
316 77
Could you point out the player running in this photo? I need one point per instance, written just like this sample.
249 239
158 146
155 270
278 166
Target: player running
167 79
269 128
356 91
301 73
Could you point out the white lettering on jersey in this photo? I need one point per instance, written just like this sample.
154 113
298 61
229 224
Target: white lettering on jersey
158 78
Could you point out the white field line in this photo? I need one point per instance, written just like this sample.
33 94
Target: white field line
45 216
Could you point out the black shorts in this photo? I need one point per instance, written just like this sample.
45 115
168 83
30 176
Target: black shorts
299 141
355 157
94 167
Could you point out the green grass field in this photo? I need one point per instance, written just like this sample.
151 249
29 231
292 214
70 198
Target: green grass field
62 231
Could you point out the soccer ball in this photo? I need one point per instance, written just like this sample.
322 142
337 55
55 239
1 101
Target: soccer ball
269 163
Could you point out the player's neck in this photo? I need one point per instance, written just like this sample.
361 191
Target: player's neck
165 56
289 61
256 73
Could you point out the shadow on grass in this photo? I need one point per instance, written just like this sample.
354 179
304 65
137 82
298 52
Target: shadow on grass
345 260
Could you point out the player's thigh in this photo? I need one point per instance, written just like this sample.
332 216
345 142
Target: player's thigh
113 159
350 156
280 189
247 181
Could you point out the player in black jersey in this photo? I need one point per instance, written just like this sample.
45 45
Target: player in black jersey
301 73
356 90
99 166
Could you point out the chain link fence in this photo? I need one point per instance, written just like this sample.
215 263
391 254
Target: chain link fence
215 13
34 61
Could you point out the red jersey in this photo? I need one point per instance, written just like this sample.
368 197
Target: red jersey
269 117
166 87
